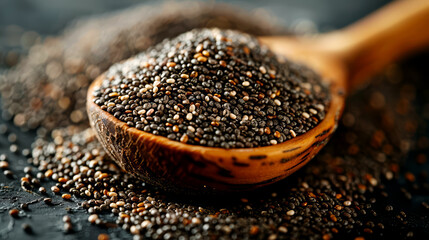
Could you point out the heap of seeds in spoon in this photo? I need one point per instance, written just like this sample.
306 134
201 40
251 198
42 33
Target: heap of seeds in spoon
214 88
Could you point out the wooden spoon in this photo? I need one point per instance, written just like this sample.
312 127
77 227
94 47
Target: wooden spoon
345 58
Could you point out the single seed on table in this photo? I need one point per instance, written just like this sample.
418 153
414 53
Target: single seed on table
66 196
27 228
47 201
103 236
92 218
55 189
14 212
4 165
66 218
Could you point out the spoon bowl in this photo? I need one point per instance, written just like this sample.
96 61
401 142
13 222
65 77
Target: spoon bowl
344 59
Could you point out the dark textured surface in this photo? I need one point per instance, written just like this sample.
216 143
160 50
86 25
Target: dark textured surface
46 220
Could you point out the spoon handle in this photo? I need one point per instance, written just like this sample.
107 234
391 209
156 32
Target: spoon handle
396 30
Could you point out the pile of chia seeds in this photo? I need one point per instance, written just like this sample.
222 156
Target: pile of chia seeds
216 88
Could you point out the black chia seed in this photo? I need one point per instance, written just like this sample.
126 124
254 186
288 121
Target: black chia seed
215 88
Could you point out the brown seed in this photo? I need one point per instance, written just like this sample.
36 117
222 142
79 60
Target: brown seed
206 53
103 236
62 180
254 230
202 59
184 138
55 189
171 64
66 196
49 173
14 212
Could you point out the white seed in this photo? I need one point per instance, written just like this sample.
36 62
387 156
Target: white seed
273 95
232 93
306 115
196 220
347 203
246 83
262 69
110 104
207 98
148 86
277 102
312 111
157 78
292 132
189 116
273 142
245 118
192 108
290 212
145 223
233 116
155 89
246 98
176 108
190 128
141 112
171 80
